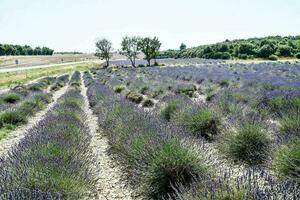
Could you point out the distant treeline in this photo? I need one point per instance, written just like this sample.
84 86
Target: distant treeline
68 52
18 50
270 47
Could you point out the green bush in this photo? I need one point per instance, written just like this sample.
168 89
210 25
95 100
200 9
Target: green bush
249 144
173 164
35 87
119 88
169 109
188 89
287 160
204 123
12 118
11 98
298 55
290 124
224 83
273 57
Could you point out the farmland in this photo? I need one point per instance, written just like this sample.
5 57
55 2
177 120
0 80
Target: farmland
185 129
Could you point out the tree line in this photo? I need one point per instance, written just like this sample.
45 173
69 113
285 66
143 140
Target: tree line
131 47
270 47
18 50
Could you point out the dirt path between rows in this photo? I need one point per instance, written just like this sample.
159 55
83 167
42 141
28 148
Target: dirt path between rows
15 137
109 183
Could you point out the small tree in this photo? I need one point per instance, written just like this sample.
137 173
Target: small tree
182 47
130 48
103 50
150 47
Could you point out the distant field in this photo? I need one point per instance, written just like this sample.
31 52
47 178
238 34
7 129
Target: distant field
9 79
25 61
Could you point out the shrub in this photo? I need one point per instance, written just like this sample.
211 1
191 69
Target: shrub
12 118
141 65
35 87
173 164
298 55
169 109
148 103
135 97
273 57
119 88
287 160
249 145
224 83
11 98
188 89
291 124
203 123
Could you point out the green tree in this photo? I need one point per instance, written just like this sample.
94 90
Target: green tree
103 51
182 47
130 48
266 50
150 47
284 50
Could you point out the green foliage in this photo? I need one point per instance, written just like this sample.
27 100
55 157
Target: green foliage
11 98
290 124
182 47
298 55
287 160
249 144
224 83
273 57
169 109
202 122
242 49
12 118
119 88
150 47
8 49
173 164
103 51
130 48
187 89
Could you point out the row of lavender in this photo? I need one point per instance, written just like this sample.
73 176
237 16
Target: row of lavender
152 150
23 101
53 159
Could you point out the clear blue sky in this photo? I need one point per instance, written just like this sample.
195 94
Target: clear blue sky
67 25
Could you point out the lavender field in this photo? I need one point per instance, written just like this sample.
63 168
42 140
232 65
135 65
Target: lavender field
186 129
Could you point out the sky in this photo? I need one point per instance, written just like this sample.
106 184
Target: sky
74 25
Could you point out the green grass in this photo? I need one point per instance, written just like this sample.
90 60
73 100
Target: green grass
173 164
287 160
119 88
249 145
12 118
11 98
20 77
169 109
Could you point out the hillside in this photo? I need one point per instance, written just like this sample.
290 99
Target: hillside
270 47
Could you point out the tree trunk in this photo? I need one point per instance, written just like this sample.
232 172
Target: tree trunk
149 62
107 63
132 62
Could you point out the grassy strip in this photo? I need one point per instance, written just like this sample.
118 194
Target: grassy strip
52 162
9 120
21 77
